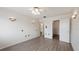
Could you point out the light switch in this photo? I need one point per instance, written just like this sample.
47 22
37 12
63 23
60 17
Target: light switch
22 30
25 35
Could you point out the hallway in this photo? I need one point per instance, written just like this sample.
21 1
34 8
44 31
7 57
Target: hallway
40 44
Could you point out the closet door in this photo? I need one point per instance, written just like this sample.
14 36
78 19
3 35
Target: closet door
64 30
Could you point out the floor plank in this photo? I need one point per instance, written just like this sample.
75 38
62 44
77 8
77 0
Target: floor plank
41 44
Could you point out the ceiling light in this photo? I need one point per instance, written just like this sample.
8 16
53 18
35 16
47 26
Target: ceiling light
74 14
12 18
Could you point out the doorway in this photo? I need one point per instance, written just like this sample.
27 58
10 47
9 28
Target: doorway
56 27
41 29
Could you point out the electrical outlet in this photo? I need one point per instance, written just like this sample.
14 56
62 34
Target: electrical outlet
48 34
28 35
25 35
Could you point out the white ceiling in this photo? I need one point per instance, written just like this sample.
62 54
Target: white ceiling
47 11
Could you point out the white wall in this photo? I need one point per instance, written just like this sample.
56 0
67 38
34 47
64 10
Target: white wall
75 33
10 32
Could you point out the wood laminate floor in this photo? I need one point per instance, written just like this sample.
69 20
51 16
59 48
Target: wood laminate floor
41 44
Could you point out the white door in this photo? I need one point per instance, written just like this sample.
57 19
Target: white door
64 30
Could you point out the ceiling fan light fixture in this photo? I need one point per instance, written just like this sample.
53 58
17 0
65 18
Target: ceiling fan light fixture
36 11
33 12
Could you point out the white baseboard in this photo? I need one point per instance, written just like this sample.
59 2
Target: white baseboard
8 45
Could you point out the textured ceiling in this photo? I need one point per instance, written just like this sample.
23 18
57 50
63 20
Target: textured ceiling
47 11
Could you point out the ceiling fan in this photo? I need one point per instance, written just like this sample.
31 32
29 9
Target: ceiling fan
36 10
